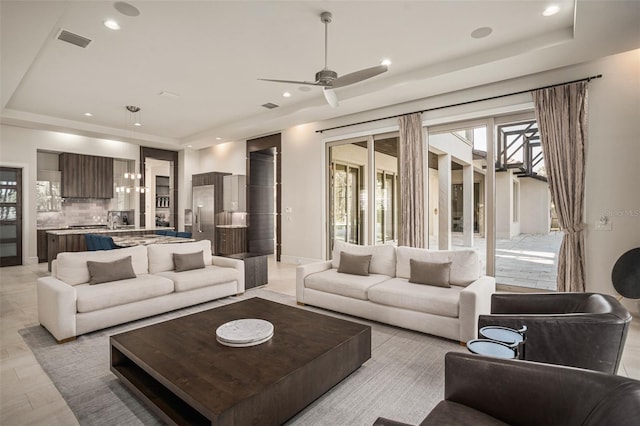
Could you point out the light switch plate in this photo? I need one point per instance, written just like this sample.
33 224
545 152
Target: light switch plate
603 226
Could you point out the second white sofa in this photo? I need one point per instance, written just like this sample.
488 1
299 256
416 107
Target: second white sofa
68 305
387 296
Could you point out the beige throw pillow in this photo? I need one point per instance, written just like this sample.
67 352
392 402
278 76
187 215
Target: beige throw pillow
430 273
188 261
354 264
103 272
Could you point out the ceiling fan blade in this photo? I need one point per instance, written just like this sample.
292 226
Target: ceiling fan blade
331 97
308 83
357 76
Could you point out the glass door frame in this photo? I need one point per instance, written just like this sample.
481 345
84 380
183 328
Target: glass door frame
18 258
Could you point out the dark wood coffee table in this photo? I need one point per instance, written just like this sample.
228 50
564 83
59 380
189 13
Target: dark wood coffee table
179 369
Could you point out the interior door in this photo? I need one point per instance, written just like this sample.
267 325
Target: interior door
10 216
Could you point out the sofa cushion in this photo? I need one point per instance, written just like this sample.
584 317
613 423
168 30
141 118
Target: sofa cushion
465 265
71 267
354 286
95 297
197 278
354 264
400 293
430 273
103 272
161 255
452 413
188 261
383 257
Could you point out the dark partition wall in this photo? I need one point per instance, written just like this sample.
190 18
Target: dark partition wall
264 195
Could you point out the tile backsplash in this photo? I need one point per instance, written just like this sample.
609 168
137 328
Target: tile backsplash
76 212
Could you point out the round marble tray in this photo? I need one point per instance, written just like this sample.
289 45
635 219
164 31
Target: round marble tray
244 332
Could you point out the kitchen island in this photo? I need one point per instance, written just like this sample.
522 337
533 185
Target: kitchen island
62 240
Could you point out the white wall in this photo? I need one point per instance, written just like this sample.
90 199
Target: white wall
230 157
612 174
535 205
18 148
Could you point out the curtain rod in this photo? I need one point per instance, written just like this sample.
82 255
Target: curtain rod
587 79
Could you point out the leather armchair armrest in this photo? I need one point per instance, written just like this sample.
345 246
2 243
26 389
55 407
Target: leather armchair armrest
303 271
535 303
237 264
57 307
521 392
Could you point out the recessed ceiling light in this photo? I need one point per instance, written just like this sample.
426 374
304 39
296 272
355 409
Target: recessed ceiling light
304 88
286 94
218 138
88 114
386 62
111 24
481 32
551 10
137 124
126 8
189 146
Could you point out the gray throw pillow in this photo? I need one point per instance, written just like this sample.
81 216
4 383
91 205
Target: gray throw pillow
103 272
354 264
188 261
430 273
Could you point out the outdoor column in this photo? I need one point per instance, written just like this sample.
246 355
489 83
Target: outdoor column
467 193
444 201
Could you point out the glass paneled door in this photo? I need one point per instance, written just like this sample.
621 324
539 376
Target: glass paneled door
10 216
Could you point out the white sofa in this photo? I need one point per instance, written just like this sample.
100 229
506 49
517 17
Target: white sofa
387 296
69 306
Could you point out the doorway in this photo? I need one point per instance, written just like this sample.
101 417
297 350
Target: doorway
10 216
167 200
264 199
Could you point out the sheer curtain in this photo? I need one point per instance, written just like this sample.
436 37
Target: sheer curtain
561 112
411 232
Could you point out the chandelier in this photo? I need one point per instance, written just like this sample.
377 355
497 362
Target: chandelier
131 179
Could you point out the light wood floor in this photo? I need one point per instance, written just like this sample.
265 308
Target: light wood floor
27 396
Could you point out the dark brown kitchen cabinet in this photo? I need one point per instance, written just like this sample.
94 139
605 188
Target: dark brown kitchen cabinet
231 240
86 176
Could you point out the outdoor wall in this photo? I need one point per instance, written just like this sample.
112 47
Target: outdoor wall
505 228
535 206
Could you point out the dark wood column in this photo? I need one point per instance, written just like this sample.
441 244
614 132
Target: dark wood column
264 163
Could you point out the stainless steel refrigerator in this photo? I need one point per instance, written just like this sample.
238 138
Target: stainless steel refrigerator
204 226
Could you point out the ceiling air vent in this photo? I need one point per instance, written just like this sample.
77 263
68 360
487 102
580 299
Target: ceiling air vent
269 105
72 38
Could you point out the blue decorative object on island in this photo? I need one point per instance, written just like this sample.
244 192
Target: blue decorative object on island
184 234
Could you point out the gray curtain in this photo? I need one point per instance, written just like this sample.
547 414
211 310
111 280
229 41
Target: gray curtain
412 221
561 112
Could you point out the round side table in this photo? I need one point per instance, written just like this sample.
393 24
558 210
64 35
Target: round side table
508 336
491 348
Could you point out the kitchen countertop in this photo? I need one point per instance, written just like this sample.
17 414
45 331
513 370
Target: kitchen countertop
231 226
102 230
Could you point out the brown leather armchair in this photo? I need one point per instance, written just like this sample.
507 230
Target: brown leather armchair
586 330
491 391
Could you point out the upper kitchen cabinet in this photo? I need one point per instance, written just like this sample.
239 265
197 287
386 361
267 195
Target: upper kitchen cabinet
235 193
86 176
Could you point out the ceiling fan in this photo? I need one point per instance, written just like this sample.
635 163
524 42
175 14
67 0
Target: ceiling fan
328 79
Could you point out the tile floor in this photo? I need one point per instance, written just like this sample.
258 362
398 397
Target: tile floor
27 396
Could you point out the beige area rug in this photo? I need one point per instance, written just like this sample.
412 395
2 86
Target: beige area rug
403 380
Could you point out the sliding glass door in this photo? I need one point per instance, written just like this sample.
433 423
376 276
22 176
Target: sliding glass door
363 190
